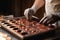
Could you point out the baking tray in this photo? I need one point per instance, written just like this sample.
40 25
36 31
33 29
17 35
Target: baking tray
37 36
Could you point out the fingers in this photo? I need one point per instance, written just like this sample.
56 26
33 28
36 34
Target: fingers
42 19
26 13
46 20
53 19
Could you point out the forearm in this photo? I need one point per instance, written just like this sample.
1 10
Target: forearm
38 4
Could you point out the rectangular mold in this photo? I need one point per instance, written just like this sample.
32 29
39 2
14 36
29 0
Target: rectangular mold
16 30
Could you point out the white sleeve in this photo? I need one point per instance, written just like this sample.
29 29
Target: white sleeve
52 7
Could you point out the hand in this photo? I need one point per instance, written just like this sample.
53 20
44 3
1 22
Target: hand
29 12
49 19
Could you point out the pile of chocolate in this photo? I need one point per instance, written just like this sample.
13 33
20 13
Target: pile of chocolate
29 27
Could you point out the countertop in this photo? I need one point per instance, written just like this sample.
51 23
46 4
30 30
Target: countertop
12 37
49 38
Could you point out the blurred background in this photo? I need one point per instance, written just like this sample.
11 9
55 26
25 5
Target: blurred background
17 7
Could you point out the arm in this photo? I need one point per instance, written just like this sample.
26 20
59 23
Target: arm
30 11
37 4
52 12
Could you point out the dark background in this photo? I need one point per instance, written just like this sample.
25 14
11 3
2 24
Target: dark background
17 7
4 7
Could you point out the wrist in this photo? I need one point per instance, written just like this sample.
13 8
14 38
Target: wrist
34 9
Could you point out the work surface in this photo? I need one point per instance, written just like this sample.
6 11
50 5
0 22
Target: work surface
13 38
